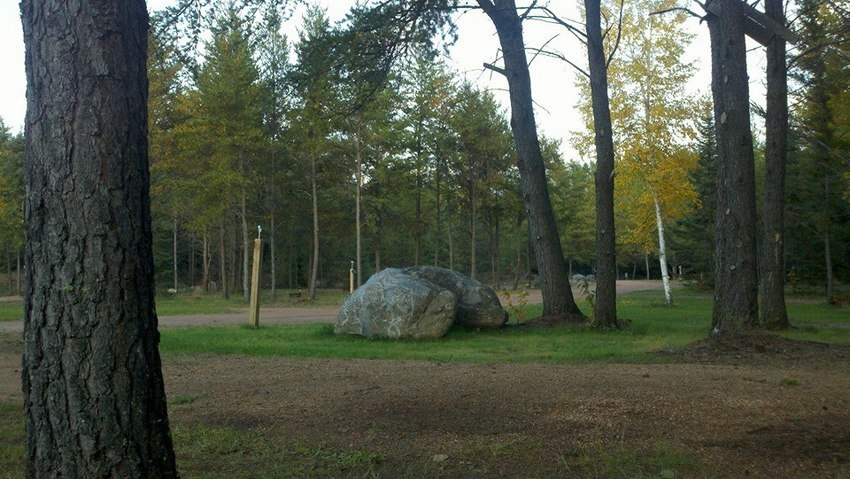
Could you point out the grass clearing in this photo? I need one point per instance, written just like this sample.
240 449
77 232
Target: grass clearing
660 460
221 452
167 304
651 327
11 309
11 441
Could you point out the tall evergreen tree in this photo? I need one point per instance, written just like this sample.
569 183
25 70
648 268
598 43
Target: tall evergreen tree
736 277
231 99
772 274
92 380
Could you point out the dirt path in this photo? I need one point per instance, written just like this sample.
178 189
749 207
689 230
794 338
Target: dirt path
303 315
519 420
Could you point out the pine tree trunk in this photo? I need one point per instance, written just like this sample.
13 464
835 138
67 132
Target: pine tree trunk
272 224
246 262
519 247
9 286
174 253
646 261
314 266
827 249
773 312
192 257
272 258
736 286
495 256
417 228
662 252
558 298
206 260
93 392
606 254
18 275
222 263
451 244
472 239
359 178
438 240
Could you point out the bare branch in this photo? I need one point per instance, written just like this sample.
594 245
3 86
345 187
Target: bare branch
528 10
541 49
686 10
575 31
495 69
619 35
556 55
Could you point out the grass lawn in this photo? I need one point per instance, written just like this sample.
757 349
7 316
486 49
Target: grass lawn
11 309
652 327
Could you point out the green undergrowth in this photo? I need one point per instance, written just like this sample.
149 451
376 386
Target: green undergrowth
659 460
11 441
221 452
649 327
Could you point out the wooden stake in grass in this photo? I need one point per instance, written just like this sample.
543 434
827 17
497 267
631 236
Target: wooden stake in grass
351 279
255 283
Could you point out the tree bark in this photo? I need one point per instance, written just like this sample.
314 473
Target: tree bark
272 258
174 253
417 229
9 286
451 244
662 252
358 227
439 225
558 298
314 263
606 254
92 381
827 249
206 258
379 235
18 273
246 261
736 286
191 259
473 200
222 263
773 312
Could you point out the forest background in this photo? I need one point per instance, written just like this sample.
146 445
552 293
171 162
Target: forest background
250 127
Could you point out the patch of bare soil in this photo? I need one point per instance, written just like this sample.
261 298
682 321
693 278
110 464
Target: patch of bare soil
761 348
781 417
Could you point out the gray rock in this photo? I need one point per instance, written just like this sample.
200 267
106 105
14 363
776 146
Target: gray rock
477 304
394 305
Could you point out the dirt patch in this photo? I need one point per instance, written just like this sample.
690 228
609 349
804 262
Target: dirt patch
762 349
764 408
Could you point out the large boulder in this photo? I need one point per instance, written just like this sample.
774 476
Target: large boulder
394 305
477 304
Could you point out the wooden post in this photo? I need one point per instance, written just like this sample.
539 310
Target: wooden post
351 279
255 283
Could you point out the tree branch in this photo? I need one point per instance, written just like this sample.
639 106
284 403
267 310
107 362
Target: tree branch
541 49
686 10
528 10
619 35
561 57
496 69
